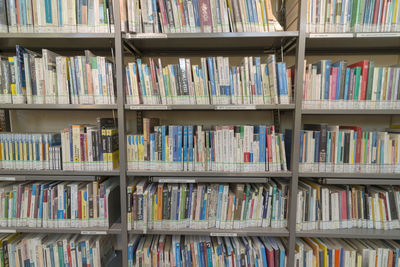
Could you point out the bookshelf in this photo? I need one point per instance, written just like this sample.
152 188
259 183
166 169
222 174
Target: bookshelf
194 44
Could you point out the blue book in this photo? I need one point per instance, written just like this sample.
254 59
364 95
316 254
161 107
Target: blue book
209 253
211 75
189 201
179 143
327 76
219 202
152 147
202 203
52 258
48 9
302 133
339 66
263 143
163 133
378 91
258 77
175 143
196 13
82 245
178 252
141 77
185 146
317 140
232 84
347 84
201 253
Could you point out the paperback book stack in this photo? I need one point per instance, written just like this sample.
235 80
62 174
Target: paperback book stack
31 78
145 16
56 204
312 252
193 148
345 207
55 250
348 149
207 206
361 85
353 16
214 81
167 250
43 16
91 147
30 151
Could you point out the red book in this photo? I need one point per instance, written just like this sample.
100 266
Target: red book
333 83
29 202
162 11
376 12
364 73
205 15
344 206
358 144
205 253
270 257
337 257
69 254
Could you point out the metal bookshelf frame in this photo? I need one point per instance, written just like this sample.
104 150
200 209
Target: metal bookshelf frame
189 44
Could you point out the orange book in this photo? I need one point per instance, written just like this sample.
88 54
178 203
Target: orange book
160 201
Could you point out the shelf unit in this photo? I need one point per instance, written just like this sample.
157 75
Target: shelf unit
191 44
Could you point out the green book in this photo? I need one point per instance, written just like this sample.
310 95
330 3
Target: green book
355 13
357 85
60 253
370 80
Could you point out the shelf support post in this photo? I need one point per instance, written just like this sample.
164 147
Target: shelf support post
300 55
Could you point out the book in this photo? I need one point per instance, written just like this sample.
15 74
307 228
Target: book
153 206
205 250
200 16
242 148
31 78
362 85
347 16
70 16
58 204
349 149
215 81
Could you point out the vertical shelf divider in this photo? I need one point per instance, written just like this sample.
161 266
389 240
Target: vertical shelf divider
119 63
300 55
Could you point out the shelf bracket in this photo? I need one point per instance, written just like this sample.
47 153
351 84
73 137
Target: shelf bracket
132 49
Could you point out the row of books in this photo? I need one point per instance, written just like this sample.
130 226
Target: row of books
214 81
166 250
56 16
31 78
18 250
344 206
56 204
361 85
199 16
207 206
324 252
192 148
30 151
91 147
336 148
353 15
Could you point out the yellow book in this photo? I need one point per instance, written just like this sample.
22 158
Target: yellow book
166 149
324 250
13 85
359 260
381 212
84 205
105 154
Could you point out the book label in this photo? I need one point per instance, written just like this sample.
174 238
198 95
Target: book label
8 231
378 34
4 178
331 35
141 107
93 232
235 107
224 234
151 35
174 181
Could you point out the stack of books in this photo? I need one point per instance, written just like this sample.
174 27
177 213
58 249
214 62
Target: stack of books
207 206
56 16
361 85
243 148
146 16
57 204
91 147
346 252
348 149
344 207
55 250
206 251
213 82
41 151
31 78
